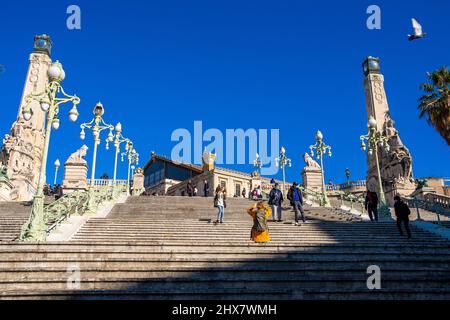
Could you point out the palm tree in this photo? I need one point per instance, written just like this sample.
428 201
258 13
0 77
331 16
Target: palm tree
436 102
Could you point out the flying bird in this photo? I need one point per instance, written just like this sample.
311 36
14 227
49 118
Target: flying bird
418 33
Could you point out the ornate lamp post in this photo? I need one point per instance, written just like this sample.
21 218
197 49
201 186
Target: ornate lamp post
347 175
133 158
257 163
376 140
57 165
282 161
321 149
96 125
50 103
118 140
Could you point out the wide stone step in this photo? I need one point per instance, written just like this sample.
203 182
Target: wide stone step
341 284
136 294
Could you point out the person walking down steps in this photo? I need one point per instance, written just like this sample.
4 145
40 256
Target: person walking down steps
295 197
275 201
220 204
402 213
260 213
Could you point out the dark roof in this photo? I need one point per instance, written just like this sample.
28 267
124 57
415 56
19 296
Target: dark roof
189 166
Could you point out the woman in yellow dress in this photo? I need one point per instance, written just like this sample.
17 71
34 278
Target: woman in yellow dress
260 213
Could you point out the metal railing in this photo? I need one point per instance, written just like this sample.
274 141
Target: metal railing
74 203
58 211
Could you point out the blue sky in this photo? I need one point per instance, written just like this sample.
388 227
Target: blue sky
293 65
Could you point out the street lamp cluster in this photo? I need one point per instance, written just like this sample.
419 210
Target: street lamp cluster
375 141
50 101
321 148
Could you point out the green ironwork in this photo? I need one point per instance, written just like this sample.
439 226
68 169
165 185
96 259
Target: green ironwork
281 161
375 140
118 140
96 125
321 148
50 103
133 158
59 210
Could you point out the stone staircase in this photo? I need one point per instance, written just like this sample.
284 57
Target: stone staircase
12 217
169 248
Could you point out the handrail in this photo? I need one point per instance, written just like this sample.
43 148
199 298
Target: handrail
59 210
72 203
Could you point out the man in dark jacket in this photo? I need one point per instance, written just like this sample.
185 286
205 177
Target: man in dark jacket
295 197
402 213
275 200
205 188
371 205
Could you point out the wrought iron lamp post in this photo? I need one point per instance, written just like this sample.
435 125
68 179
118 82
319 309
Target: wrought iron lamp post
50 103
347 175
118 140
281 161
321 149
133 158
257 163
376 140
96 125
57 165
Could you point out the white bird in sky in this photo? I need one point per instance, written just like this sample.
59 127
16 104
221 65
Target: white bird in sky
418 33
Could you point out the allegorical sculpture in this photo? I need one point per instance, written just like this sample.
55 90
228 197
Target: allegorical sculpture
208 160
75 171
396 164
312 174
22 148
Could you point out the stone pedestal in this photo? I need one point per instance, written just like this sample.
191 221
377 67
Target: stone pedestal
312 179
138 182
75 177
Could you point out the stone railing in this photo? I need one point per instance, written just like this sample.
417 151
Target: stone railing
442 200
359 184
437 204
106 182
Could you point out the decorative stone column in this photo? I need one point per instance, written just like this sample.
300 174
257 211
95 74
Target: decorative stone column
23 147
395 165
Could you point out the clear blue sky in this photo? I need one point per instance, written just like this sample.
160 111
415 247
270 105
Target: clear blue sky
293 65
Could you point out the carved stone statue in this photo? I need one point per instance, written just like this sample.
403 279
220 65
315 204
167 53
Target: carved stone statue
78 156
310 162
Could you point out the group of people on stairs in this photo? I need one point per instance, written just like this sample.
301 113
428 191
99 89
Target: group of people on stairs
260 212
